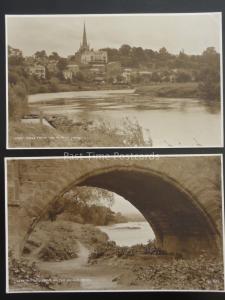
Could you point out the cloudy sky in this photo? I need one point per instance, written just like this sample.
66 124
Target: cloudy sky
193 32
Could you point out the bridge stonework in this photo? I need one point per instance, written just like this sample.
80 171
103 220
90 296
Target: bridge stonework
179 196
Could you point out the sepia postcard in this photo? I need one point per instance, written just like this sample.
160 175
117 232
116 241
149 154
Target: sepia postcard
114 80
114 223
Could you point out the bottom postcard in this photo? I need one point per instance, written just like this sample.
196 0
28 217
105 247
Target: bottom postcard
114 223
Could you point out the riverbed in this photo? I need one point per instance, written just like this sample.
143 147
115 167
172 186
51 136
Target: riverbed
169 122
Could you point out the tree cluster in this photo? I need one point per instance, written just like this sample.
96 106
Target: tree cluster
84 205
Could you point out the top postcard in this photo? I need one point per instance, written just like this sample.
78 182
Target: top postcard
114 80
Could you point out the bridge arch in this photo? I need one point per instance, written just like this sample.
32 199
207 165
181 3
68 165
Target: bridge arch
180 223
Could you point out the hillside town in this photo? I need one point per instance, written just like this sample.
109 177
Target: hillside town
129 79
105 66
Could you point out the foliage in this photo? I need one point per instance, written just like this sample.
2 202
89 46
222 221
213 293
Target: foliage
84 205
62 63
54 56
133 133
110 249
183 77
199 273
209 87
173 90
17 101
17 88
22 272
15 60
40 54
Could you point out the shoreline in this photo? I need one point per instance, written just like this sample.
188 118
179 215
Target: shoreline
74 88
188 90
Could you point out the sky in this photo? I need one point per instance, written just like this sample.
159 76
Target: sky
191 32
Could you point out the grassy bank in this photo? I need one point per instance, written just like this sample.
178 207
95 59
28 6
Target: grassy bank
170 90
67 133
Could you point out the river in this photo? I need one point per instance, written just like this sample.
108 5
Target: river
130 233
173 122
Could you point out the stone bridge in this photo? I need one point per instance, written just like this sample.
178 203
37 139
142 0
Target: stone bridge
179 196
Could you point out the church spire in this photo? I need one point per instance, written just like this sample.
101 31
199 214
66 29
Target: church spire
85 44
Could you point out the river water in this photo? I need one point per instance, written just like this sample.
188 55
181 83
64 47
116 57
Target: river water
173 122
130 233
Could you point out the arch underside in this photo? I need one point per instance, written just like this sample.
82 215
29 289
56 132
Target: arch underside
179 223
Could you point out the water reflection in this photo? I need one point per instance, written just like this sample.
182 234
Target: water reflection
172 122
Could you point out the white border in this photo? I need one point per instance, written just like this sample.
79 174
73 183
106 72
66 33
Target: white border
113 15
113 158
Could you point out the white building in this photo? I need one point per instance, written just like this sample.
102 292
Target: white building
68 74
38 71
94 57
127 74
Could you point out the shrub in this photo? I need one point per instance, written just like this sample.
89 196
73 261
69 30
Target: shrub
18 103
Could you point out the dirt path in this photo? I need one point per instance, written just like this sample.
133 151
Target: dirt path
78 274
67 266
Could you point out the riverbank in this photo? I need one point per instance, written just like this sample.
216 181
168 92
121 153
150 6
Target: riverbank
164 89
65 132
170 90
39 88
98 264
173 90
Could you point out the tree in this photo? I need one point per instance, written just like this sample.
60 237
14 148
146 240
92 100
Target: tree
13 78
113 54
210 51
54 56
163 53
40 54
125 50
138 55
62 63
80 200
54 83
149 53
209 74
18 103
183 77
16 60
155 77
209 87
211 57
